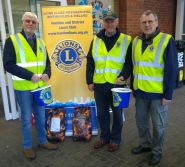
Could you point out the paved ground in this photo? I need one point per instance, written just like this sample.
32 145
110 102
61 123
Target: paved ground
80 154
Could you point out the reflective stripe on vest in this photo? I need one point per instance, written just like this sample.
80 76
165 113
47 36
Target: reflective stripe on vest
149 78
43 49
26 58
22 55
102 71
108 57
32 64
19 79
148 75
155 63
108 65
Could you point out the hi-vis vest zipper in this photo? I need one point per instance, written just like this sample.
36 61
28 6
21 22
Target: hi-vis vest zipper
149 66
108 65
26 58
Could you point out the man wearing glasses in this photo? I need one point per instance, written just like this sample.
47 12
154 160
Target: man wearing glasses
154 70
25 57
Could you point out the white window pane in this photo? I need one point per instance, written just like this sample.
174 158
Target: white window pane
18 8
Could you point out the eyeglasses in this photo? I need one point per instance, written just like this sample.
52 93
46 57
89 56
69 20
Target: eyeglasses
147 22
30 21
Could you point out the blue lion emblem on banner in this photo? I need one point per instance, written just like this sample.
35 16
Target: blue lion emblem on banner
68 56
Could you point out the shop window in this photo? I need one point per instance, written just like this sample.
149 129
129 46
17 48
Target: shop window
18 8
39 4
49 3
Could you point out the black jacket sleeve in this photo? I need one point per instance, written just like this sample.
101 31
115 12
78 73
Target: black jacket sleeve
170 69
90 66
128 66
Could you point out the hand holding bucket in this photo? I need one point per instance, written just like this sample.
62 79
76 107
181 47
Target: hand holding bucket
43 95
121 97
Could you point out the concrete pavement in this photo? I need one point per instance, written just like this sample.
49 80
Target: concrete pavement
82 154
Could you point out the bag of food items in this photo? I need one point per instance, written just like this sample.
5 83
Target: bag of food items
82 128
55 125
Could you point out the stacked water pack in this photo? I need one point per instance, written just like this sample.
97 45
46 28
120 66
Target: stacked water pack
55 122
74 114
82 126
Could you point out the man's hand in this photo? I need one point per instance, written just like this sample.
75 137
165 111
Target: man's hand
165 101
120 80
44 77
35 78
91 87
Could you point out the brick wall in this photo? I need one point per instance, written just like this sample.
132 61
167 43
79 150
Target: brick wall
70 2
166 10
129 12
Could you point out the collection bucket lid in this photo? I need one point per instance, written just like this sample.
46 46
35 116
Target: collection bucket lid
121 90
44 87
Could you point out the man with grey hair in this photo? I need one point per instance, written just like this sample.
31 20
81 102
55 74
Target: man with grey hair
154 76
26 58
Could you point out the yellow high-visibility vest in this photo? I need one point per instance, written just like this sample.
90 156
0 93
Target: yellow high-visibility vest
149 66
26 58
108 65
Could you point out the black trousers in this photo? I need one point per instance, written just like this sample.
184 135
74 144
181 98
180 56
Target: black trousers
104 100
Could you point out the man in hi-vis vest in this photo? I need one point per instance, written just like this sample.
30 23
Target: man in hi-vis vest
25 57
109 63
154 76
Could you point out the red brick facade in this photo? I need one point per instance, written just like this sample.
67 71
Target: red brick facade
129 12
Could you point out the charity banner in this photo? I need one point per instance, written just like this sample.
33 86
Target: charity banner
67 32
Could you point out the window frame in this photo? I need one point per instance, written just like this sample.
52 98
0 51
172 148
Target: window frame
180 20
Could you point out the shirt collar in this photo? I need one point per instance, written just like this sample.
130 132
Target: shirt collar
142 35
33 37
111 35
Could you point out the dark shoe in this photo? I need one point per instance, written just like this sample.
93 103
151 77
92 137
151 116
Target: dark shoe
113 147
48 146
140 150
155 159
29 153
99 144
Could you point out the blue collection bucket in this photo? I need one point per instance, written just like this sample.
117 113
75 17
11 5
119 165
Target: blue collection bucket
43 95
121 97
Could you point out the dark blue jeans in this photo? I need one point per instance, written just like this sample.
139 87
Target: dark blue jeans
28 104
104 100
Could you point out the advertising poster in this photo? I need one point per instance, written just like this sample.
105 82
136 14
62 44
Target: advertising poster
100 7
68 33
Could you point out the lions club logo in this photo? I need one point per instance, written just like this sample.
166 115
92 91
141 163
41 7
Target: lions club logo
68 56
46 96
116 99
151 48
